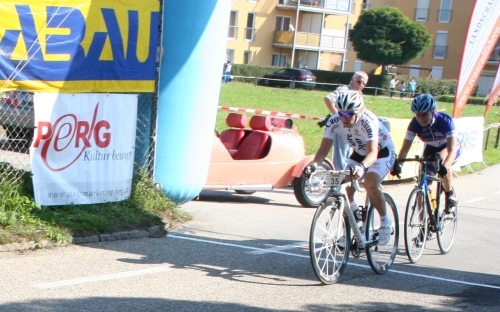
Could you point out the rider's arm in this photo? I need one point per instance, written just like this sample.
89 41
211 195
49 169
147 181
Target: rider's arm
371 153
451 146
405 148
323 150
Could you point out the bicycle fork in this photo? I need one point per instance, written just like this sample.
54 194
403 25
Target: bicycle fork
358 234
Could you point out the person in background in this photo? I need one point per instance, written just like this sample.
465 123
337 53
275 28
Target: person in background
402 89
437 131
227 72
412 87
340 148
392 85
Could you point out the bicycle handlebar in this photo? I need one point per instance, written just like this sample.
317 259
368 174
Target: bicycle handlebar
436 157
341 174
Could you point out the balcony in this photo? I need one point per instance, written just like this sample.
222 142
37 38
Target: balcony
309 41
316 5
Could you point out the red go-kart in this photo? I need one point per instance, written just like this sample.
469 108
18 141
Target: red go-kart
269 154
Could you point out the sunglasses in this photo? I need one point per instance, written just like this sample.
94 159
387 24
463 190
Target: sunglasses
362 82
346 114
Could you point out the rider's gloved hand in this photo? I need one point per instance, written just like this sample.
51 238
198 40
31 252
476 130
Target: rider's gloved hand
358 170
396 169
442 171
310 169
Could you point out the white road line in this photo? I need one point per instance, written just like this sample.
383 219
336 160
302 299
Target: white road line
277 248
475 200
99 278
353 264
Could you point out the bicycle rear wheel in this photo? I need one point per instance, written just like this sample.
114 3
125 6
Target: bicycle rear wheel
415 225
447 224
328 259
381 257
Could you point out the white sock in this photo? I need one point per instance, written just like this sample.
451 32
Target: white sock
385 220
354 206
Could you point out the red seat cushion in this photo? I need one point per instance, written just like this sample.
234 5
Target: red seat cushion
234 120
232 138
262 123
255 146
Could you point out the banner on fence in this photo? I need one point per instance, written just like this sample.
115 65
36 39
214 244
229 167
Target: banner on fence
83 150
82 46
470 134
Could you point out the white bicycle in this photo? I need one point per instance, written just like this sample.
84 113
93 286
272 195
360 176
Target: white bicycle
330 238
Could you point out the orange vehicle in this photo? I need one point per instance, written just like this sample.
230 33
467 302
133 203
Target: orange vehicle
268 155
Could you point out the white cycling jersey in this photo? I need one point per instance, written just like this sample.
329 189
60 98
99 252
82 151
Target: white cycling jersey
367 128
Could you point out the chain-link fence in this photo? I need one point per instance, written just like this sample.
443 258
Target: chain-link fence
17 117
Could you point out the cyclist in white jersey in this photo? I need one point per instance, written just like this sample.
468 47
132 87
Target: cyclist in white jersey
373 152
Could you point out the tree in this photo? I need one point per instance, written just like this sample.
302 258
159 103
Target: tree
384 36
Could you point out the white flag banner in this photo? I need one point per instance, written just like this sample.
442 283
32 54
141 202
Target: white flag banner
470 133
83 150
495 92
482 36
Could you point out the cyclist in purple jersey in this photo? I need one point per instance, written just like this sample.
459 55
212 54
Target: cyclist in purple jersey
437 131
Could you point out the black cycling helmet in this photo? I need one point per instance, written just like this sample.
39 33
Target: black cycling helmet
350 101
423 103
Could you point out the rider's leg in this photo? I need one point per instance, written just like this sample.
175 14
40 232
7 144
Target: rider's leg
449 176
376 196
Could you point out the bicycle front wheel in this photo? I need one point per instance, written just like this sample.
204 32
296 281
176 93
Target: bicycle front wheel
415 225
447 224
381 257
329 242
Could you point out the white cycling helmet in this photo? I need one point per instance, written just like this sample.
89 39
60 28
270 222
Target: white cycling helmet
423 103
350 101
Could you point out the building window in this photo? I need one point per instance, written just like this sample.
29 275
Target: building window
249 30
247 57
441 45
422 11
357 65
233 22
444 14
283 23
414 71
230 55
279 59
437 72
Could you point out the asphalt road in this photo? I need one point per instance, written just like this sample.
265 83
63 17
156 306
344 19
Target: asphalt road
250 253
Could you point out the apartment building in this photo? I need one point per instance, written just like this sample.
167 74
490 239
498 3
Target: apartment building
297 33
313 34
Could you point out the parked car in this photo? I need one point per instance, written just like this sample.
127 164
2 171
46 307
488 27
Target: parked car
292 78
17 115
268 155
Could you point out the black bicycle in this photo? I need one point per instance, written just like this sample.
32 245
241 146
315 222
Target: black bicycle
425 212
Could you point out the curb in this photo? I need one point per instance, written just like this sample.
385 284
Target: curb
155 231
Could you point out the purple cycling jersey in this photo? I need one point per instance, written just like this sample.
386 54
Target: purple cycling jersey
436 134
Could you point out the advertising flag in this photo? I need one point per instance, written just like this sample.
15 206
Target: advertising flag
495 92
482 36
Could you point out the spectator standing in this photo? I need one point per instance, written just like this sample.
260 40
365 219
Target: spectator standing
412 87
392 85
340 149
227 72
402 89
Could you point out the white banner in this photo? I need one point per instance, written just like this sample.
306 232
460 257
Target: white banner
470 133
482 36
83 150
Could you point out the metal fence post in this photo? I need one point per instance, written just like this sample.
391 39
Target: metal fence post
487 138
498 134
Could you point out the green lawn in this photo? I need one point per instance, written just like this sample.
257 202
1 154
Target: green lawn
310 103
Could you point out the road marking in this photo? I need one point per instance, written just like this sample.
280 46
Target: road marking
353 264
99 278
475 200
278 248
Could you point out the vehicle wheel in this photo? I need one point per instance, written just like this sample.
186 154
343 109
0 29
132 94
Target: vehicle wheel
317 193
447 224
265 82
328 259
292 85
244 192
415 225
381 257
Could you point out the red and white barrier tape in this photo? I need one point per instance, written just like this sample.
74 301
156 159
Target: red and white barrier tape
270 113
